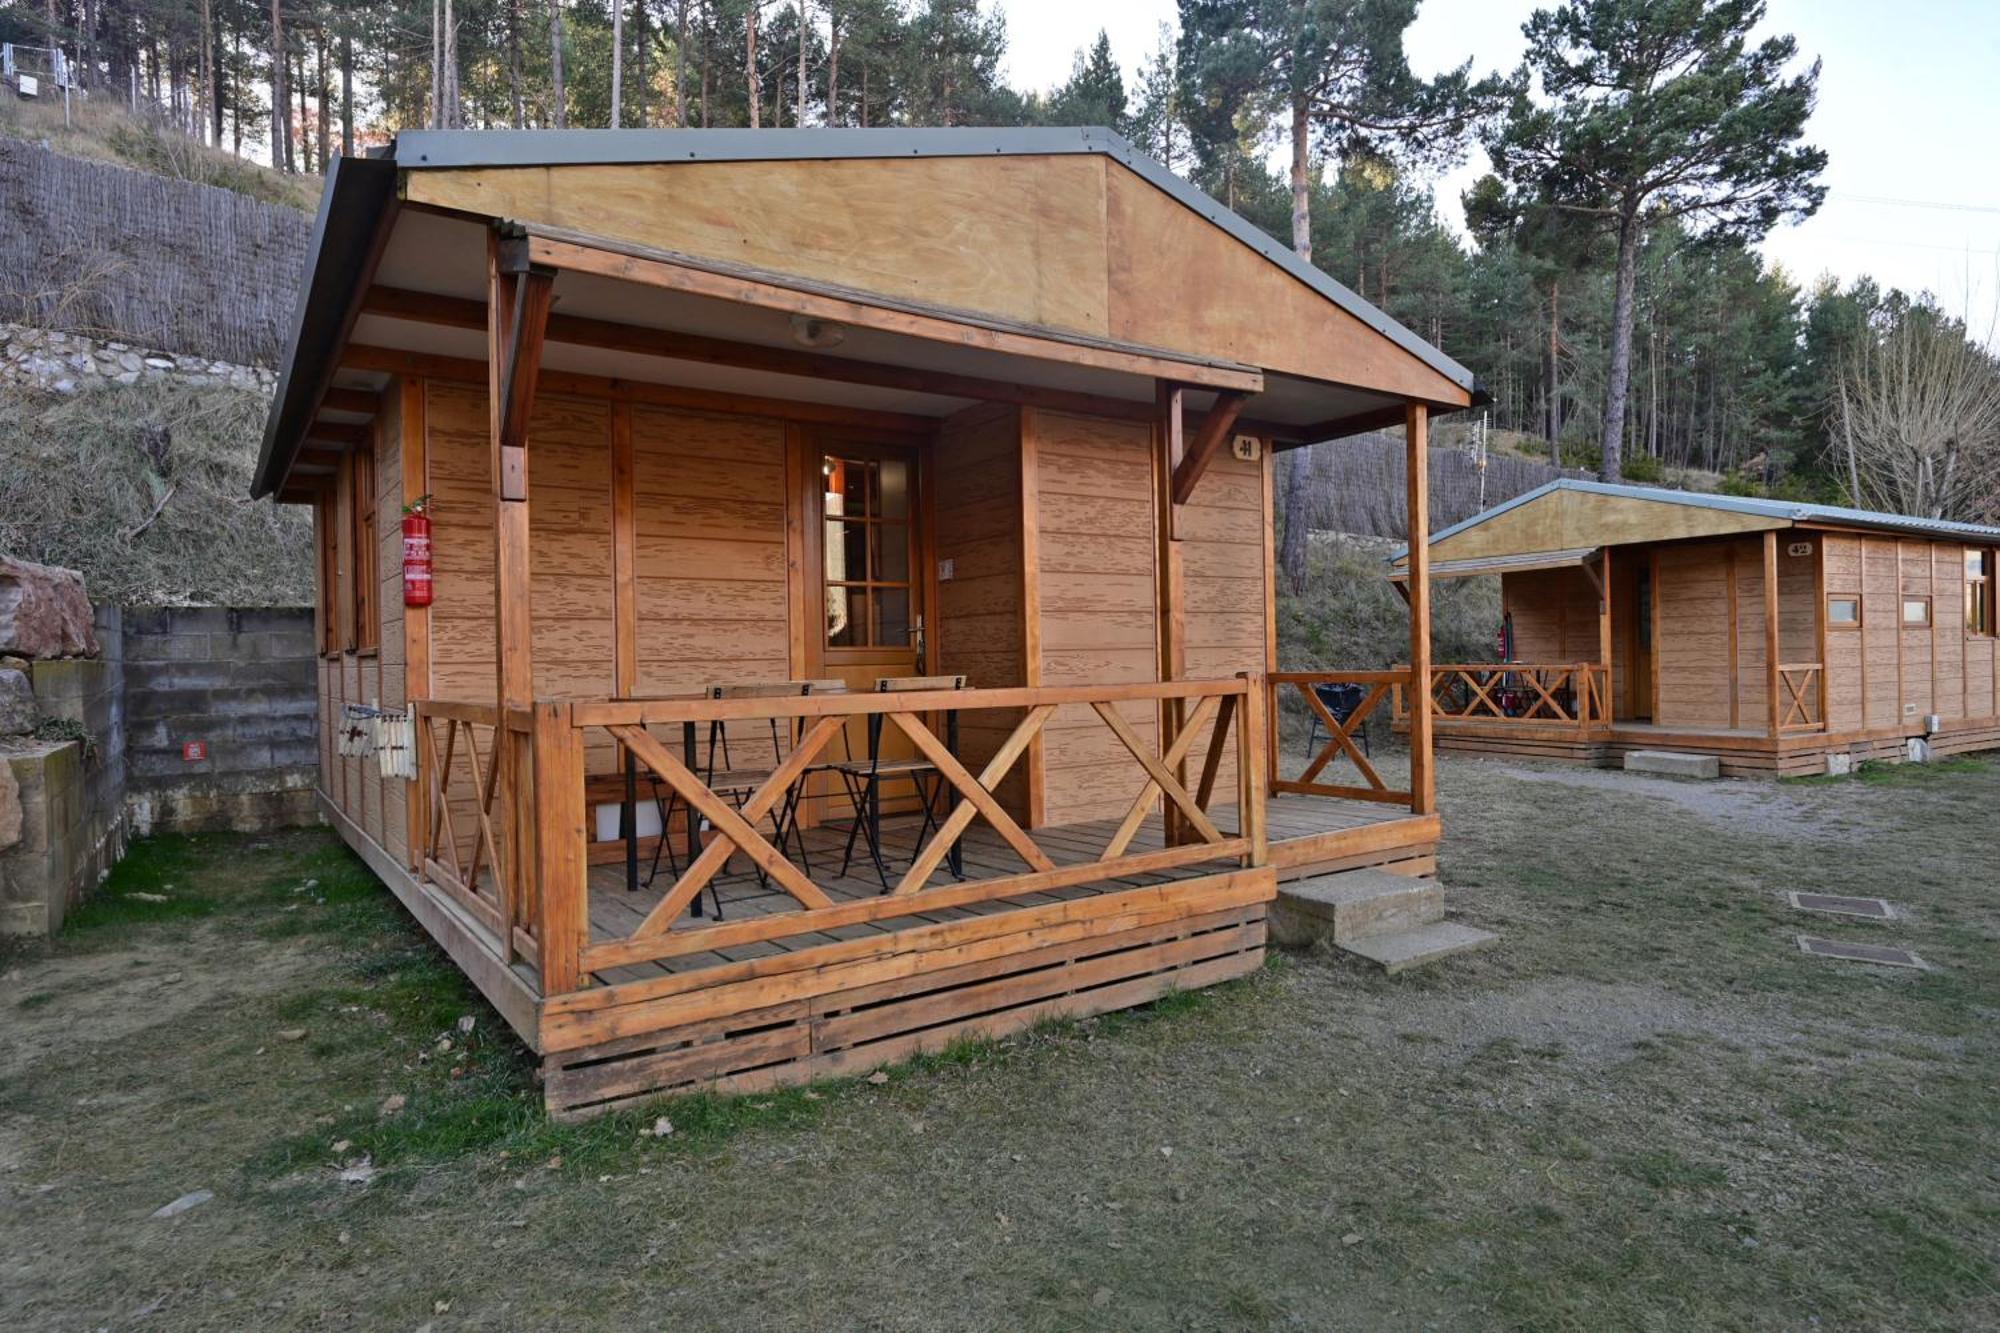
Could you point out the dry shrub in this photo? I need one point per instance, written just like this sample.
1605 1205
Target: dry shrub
1350 618
146 489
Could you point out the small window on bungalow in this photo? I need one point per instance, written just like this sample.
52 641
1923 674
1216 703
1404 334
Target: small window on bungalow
1843 611
1916 612
1979 592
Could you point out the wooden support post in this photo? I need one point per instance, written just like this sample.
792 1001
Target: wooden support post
1416 443
517 305
1773 714
1188 469
562 856
416 619
1253 763
1604 639
1170 583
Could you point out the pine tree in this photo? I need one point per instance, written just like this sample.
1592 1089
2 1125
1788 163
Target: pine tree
1660 110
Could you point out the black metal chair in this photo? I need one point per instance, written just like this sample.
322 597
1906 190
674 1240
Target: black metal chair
864 778
1340 700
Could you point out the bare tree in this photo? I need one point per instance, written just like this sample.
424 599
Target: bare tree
1918 411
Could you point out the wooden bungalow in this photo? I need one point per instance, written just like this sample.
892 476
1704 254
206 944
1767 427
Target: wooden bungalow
1782 638
930 473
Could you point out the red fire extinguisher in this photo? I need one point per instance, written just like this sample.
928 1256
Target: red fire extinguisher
417 552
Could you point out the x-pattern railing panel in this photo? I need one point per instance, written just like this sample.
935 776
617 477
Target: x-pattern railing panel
666 932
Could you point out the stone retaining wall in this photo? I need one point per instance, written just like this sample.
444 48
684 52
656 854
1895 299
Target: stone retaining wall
66 362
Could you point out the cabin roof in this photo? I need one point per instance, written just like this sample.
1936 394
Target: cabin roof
1569 514
366 199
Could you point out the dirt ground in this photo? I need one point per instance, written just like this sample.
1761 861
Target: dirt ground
1644 1109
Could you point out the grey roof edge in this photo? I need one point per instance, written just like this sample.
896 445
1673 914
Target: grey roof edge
1791 511
432 149
354 206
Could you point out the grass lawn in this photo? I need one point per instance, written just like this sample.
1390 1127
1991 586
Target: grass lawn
1644 1109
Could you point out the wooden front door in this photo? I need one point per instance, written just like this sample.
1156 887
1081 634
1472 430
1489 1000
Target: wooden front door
869 607
1632 638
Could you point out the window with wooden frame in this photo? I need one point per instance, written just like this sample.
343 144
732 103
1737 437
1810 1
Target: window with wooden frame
326 531
365 632
1916 612
1843 610
1979 592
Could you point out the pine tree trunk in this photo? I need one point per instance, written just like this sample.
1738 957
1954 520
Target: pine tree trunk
518 103
681 66
799 113
755 85
324 89
346 95
1297 478
557 91
1554 383
832 61
617 62
1618 378
281 106
1302 232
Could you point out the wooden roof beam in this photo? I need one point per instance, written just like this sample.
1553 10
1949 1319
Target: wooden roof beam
355 402
668 344
344 433
670 272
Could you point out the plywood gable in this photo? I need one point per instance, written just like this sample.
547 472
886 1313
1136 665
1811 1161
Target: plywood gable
1021 238
1177 281
1566 520
1077 243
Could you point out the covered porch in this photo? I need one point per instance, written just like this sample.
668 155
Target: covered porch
1028 568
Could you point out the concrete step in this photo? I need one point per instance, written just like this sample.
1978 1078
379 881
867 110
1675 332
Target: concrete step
1673 763
1425 944
1352 905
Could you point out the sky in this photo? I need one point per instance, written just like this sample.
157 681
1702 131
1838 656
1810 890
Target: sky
1909 113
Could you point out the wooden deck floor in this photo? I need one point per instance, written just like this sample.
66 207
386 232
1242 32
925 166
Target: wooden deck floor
616 911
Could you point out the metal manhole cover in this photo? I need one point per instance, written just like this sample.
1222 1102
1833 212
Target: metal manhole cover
1876 909
1861 953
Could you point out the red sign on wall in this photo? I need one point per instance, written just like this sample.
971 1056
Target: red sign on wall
194 751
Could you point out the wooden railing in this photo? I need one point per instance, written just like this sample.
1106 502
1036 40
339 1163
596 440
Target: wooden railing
1376 687
1574 694
466 815
1230 713
1801 696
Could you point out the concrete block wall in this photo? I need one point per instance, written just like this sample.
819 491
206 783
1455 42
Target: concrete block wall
242 683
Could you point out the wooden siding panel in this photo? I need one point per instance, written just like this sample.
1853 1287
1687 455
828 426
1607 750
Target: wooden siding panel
1692 648
709 543
1844 647
1088 473
980 631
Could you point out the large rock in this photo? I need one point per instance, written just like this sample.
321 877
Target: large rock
17 703
44 611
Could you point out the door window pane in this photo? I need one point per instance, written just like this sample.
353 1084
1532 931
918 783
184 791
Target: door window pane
867 534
